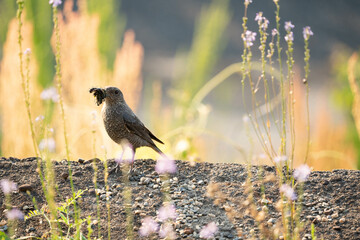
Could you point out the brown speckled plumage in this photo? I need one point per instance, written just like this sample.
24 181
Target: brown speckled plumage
120 122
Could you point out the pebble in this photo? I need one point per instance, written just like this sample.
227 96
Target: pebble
328 211
342 220
138 199
25 187
3 222
335 215
337 228
271 221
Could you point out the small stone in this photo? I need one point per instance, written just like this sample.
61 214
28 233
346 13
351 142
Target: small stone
324 219
328 211
335 215
138 199
307 236
337 228
137 212
3 222
81 160
193 187
200 182
188 231
271 221
25 187
158 180
342 220
155 186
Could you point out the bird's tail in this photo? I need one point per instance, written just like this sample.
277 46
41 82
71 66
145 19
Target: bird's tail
157 150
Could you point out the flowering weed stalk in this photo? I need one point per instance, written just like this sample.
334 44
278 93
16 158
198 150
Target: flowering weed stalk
55 4
127 192
25 77
307 33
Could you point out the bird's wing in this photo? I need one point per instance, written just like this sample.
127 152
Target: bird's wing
135 126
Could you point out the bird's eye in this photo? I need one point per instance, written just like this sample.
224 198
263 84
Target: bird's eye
116 92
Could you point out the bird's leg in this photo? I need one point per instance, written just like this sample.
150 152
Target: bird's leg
132 161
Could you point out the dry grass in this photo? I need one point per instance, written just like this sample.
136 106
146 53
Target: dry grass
16 137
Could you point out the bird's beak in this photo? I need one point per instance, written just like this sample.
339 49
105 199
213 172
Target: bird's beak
104 92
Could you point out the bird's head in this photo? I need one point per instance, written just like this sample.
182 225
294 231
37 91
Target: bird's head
111 95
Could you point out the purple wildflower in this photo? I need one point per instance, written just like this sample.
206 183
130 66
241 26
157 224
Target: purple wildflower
14 214
39 118
165 164
289 37
307 32
47 144
167 231
274 32
265 23
50 94
167 211
209 230
288 26
259 17
288 191
280 159
249 38
302 172
55 3
7 186
27 51
148 226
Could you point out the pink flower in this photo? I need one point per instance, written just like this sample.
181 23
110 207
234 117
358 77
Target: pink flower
209 230
167 211
280 159
167 231
14 214
7 186
274 32
165 165
148 226
302 172
307 32
288 191
55 3
288 26
249 38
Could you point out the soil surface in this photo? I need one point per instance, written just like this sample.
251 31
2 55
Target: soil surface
201 193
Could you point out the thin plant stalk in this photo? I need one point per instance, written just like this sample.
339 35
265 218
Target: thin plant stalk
305 81
61 102
282 86
106 176
25 78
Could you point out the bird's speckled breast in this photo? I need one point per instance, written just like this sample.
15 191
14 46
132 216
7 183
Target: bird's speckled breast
114 124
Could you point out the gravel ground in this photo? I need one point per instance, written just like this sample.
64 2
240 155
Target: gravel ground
331 199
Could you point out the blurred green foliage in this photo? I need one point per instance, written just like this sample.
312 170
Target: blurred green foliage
112 25
7 12
40 14
207 46
343 97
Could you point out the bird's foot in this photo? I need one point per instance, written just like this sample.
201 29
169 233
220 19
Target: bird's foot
115 169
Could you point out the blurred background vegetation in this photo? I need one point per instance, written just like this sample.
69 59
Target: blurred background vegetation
161 54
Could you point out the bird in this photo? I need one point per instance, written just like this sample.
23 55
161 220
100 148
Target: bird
121 123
